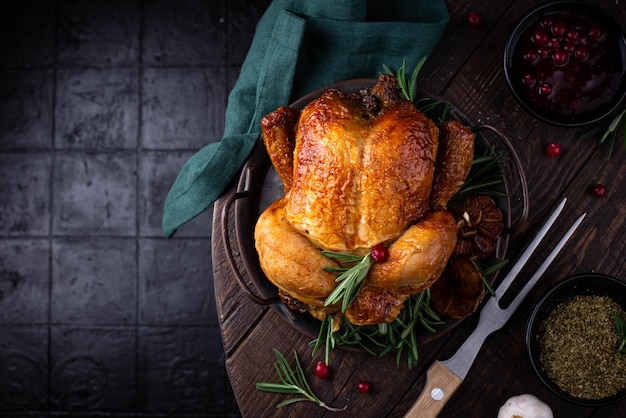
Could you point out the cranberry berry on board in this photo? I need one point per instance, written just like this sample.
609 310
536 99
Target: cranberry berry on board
474 20
363 386
321 370
598 190
553 149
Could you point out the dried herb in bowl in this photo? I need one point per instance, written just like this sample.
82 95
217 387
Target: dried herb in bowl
578 347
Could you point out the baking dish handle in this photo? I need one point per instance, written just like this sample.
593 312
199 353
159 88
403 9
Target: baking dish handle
520 224
240 194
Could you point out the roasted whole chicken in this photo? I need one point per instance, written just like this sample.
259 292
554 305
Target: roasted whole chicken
360 170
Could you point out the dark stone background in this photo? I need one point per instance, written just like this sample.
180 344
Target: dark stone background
101 102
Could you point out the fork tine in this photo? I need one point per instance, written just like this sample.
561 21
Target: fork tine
535 277
528 251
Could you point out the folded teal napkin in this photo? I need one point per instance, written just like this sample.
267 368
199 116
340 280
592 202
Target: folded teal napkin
298 47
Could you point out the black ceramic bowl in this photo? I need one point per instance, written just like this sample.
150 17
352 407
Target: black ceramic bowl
565 62
582 284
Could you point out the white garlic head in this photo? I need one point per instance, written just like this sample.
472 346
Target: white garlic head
525 406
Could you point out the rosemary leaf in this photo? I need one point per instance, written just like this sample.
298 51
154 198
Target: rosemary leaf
276 387
330 340
620 328
342 256
399 353
609 132
413 82
426 325
407 87
386 351
473 188
616 121
487 271
445 114
317 343
414 357
486 172
335 269
592 132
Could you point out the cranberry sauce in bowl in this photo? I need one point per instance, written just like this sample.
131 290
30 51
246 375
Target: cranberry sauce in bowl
565 62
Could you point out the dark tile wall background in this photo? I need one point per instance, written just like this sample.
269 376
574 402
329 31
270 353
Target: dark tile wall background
101 102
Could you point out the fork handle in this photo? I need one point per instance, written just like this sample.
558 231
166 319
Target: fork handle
440 385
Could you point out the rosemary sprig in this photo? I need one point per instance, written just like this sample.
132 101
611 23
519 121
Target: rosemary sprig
325 336
408 87
609 132
293 381
397 336
486 172
403 330
350 280
620 328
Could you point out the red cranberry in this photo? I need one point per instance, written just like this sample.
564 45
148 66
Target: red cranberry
581 53
474 20
553 149
363 386
543 51
598 190
560 57
540 36
545 89
572 35
547 21
379 253
321 370
559 28
569 47
553 44
583 40
596 32
528 80
530 56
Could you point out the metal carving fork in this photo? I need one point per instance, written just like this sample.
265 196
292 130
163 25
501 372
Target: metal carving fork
444 377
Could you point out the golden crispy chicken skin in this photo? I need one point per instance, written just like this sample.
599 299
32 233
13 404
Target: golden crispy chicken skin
418 256
416 260
279 139
363 170
290 260
360 179
456 152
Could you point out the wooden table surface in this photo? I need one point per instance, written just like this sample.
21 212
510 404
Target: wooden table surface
466 70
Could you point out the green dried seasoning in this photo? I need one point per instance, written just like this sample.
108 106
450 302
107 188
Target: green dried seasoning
578 347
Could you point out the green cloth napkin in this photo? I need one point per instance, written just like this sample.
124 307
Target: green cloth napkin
299 46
